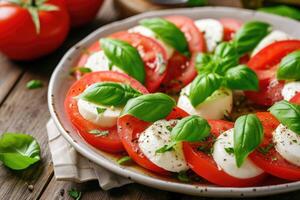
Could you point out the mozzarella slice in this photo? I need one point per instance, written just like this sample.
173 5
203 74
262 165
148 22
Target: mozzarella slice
156 136
214 107
287 144
272 37
149 33
106 119
213 32
290 89
99 62
226 161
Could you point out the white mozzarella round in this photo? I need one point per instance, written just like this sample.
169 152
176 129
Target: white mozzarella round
106 119
226 161
287 144
216 106
156 136
149 33
272 37
290 89
99 62
213 32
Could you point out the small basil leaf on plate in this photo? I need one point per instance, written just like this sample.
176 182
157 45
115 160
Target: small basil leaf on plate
283 10
18 151
288 114
109 93
203 86
34 84
124 160
124 56
83 70
100 110
241 77
183 177
226 57
99 133
249 35
204 63
149 107
167 32
248 134
289 67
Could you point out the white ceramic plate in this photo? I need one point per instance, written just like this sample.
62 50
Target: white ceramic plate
61 81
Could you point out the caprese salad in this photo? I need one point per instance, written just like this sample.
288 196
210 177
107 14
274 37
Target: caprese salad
120 103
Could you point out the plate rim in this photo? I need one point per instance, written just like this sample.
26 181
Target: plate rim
197 190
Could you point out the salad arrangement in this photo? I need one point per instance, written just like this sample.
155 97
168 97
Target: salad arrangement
163 93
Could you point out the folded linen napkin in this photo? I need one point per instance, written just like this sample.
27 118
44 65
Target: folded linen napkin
69 165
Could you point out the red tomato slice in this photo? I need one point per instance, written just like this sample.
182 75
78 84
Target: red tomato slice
296 99
230 27
203 164
110 142
129 131
149 50
181 70
271 161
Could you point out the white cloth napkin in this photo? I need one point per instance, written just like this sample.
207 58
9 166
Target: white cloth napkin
71 166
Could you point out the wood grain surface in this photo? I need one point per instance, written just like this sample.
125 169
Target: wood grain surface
26 111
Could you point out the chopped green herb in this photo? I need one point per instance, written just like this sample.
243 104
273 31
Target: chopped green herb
274 158
169 128
83 70
98 133
74 194
124 160
33 84
205 149
295 141
265 150
229 150
100 110
182 176
165 148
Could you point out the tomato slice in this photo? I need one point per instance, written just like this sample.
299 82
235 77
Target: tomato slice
230 27
203 164
271 161
296 98
181 70
110 142
129 132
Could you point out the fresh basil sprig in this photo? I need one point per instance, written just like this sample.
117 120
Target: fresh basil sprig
289 68
203 86
18 151
124 56
288 114
241 77
248 134
190 129
109 93
249 35
167 32
149 107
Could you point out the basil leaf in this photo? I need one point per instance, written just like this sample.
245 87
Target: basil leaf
203 86
204 63
18 151
248 134
286 11
124 56
83 70
289 68
109 93
241 77
288 114
168 32
249 35
99 133
34 84
74 194
149 107
124 160
226 57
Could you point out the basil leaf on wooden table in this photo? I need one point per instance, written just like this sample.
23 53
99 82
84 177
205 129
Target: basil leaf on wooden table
283 10
288 114
168 32
289 68
109 93
249 35
203 86
18 151
124 56
241 77
190 129
248 134
149 107
34 84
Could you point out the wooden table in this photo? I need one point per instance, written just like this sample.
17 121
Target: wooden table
26 111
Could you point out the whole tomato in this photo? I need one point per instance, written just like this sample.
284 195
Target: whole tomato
33 28
83 11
